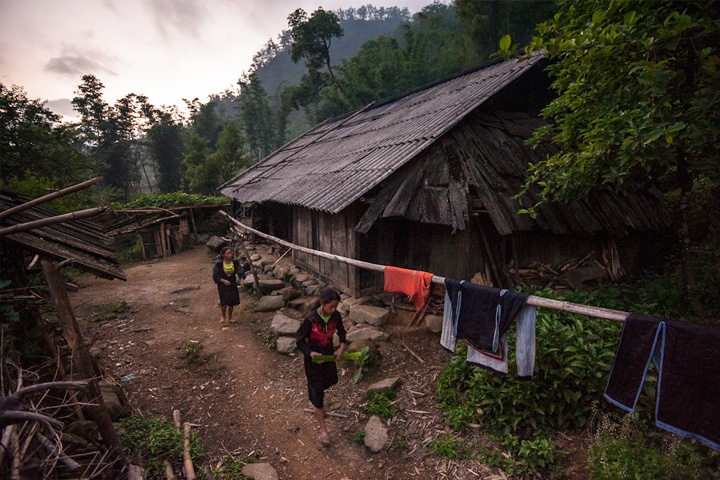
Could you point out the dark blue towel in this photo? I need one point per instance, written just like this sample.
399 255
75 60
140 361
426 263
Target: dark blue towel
483 314
687 358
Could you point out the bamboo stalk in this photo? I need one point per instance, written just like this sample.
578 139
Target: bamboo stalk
590 311
44 222
49 197
189 470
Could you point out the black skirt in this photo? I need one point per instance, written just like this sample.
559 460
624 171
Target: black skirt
321 375
229 295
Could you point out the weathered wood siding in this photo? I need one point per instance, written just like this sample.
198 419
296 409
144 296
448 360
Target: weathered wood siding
328 233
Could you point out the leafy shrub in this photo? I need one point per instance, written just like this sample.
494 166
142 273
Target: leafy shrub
153 440
529 458
621 450
359 437
129 248
190 353
167 200
231 467
380 404
447 446
34 186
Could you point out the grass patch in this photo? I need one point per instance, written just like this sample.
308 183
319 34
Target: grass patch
190 353
231 467
359 437
150 440
380 404
447 446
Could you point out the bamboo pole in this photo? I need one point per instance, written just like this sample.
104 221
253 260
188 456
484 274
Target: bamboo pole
590 311
49 197
187 459
44 222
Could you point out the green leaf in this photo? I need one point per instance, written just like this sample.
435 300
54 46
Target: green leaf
505 43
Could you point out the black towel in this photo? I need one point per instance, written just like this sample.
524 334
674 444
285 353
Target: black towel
687 358
483 313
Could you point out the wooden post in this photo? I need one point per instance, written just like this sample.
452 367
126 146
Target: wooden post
81 356
192 221
241 244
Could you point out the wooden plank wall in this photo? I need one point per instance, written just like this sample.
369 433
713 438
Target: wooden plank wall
334 235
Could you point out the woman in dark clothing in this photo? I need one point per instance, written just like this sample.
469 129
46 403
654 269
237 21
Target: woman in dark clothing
315 337
224 273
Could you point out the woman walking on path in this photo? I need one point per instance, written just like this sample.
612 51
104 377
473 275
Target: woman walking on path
315 337
224 273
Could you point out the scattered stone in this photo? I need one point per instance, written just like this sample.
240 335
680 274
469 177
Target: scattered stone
283 325
270 303
434 323
286 344
268 286
290 293
186 289
302 304
255 258
294 271
376 435
267 268
260 471
302 277
367 314
112 401
385 385
309 282
85 429
215 243
313 290
366 333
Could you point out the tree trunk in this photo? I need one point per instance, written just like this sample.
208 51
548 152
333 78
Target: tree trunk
81 356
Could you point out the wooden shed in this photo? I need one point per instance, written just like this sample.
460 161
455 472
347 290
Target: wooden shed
429 179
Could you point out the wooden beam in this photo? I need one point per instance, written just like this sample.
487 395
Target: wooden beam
49 197
44 222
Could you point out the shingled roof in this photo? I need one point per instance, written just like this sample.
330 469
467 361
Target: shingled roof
338 161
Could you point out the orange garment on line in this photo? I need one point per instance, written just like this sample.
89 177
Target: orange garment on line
413 283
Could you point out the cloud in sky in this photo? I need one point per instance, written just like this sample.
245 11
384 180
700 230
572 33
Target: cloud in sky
165 49
76 66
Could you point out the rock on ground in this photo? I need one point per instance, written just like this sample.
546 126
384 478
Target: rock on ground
376 316
283 325
270 303
385 385
434 323
376 435
260 471
365 333
285 344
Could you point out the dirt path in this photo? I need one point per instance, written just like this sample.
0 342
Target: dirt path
246 396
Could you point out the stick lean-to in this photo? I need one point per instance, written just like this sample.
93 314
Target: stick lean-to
590 311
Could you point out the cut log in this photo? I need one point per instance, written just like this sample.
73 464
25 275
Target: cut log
188 465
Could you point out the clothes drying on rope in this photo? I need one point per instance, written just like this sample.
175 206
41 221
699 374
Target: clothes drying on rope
482 315
413 283
687 359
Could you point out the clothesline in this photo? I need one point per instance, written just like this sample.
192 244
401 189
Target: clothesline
590 311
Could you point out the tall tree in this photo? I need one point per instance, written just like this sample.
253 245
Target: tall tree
33 139
312 38
257 116
637 103
164 138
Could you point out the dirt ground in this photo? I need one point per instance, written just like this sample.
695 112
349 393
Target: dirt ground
246 397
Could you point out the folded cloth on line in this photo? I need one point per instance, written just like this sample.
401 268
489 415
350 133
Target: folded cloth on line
413 283
482 314
687 358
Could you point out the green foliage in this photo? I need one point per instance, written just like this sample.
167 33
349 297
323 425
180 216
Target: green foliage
31 136
359 437
637 102
165 145
231 467
259 120
129 248
152 440
621 449
527 458
380 404
447 446
169 200
33 185
190 353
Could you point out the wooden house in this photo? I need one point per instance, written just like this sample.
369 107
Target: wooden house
428 180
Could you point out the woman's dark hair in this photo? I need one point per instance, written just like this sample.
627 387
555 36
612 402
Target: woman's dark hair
223 250
327 295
